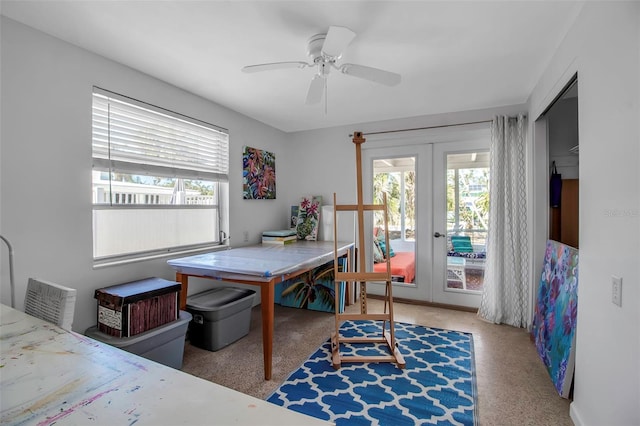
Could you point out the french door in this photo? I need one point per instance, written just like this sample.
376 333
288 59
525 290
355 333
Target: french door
461 221
435 191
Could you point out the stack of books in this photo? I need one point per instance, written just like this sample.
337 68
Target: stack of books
287 236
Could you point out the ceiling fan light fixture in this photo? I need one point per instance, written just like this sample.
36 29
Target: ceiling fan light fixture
324 68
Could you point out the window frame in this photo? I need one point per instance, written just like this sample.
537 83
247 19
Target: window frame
215 171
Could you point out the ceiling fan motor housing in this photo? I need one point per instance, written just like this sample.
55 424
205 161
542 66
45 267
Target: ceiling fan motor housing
314 47
314 50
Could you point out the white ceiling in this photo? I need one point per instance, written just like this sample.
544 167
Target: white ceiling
453 55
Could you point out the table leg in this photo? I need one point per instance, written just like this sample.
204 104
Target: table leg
266 301
184 280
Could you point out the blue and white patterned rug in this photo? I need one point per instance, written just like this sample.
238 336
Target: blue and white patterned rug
437 386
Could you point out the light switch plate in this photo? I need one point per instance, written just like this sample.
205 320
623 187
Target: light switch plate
616 290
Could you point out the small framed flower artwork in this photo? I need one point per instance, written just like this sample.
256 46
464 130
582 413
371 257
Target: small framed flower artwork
308 218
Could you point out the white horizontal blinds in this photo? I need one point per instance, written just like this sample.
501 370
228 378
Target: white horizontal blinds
133 137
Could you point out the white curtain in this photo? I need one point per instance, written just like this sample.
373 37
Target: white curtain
506 288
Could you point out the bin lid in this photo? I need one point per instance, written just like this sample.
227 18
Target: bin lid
216 298
135 291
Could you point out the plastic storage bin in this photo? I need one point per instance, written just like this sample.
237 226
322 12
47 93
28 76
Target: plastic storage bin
164 344
221 316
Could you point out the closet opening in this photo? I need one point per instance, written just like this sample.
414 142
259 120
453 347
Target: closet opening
563 158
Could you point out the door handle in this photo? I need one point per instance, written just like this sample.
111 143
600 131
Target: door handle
438 235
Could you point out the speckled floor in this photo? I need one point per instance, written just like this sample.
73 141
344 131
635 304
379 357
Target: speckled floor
513 385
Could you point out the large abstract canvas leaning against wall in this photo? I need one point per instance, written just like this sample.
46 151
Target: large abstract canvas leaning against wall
258 174
554 321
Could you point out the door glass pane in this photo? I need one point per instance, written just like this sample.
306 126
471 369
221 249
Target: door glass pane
467 220
396 177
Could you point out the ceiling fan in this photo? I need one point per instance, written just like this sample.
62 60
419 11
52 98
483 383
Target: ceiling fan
324 50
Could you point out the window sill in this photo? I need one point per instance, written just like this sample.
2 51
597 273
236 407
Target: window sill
99 264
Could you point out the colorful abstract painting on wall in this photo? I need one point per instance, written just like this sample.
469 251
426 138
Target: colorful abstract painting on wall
258 174
554 321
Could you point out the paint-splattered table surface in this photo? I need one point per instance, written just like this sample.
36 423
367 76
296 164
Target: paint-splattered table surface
51 376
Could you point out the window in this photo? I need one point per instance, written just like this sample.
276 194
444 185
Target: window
159 180
396 177
468 195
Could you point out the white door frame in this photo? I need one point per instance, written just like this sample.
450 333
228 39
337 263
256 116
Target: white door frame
419 144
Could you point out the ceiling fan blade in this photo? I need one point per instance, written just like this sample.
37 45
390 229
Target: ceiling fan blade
373 74
314 95
337 39
274 66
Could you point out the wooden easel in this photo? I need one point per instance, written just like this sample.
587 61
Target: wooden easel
361 276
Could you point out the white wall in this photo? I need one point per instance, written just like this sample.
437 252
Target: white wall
603 47
325 158
45 173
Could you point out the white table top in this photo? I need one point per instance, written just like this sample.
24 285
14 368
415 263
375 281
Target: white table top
50 375
264 260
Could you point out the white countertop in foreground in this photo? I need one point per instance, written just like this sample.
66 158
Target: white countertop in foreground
51 376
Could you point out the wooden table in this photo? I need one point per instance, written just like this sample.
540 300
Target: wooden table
260 265
53 376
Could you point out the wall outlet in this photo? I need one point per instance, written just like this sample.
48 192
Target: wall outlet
616 290
245 236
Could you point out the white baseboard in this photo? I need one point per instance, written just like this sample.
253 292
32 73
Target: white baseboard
575 416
